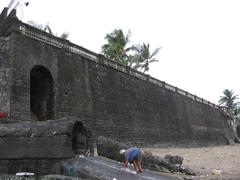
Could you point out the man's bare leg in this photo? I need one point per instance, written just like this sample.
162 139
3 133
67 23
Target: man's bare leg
135 165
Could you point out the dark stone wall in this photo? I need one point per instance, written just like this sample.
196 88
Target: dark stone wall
40 147
28 53
38 166
134 110
52 139
5 73
110 102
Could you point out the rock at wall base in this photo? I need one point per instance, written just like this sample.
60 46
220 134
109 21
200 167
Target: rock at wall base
109 148
100 168
37 166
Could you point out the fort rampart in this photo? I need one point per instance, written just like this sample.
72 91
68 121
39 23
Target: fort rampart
45 77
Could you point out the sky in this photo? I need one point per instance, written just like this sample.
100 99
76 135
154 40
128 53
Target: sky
200 39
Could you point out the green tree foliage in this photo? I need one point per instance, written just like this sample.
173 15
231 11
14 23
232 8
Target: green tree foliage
136 56
143 57
230 101
116 46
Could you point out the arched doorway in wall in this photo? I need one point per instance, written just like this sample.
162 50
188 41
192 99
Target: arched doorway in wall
41 94
80 141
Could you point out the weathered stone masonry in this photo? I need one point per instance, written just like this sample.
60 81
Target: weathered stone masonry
45 77
4 74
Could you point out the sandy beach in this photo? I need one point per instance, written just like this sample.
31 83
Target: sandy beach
207 160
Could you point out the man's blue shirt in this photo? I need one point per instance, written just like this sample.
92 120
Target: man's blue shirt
132 153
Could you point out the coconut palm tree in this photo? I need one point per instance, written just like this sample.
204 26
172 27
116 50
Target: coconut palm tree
230 101
143 57
116 46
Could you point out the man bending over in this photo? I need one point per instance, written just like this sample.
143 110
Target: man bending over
133 156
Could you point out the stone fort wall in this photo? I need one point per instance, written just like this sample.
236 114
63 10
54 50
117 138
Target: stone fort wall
111 99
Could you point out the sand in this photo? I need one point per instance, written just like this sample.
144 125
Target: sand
220 162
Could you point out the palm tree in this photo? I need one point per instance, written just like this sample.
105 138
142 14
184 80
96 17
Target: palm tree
229 100
116 46
143 57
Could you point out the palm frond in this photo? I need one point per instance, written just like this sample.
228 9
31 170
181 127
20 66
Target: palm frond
155 52
229 99
153 60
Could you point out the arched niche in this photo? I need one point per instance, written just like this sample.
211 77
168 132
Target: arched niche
80 139
41 94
